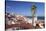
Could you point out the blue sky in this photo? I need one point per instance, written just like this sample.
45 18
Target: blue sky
24 8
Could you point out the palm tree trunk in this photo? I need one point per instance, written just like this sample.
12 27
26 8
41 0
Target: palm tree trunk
33 19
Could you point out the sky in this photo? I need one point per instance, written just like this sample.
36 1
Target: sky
24 8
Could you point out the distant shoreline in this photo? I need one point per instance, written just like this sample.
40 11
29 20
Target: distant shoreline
39 17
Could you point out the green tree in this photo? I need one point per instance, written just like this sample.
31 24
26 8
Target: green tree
33 13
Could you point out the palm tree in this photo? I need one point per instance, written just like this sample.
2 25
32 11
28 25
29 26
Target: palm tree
33 13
